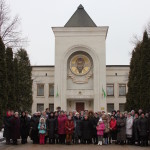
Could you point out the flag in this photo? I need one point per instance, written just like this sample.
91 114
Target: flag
104 93
57 92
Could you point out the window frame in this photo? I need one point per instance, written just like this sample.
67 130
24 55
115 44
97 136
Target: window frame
122 104
122 85
51 105
50 84
39 84
110 85
110 104
37 106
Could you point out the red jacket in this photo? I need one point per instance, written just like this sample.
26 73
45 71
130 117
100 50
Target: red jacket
69 126
61 124
113 124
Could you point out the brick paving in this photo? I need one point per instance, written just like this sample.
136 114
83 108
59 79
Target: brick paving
31 146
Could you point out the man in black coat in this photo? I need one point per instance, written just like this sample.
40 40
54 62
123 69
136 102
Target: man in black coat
28 123
78 128
24 127
136 138
34 132
51 124
86 130
95 121
143 129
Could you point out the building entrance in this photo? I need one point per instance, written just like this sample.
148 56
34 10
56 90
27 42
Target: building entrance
80 106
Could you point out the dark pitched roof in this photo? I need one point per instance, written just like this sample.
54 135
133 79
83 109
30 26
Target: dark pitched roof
80 19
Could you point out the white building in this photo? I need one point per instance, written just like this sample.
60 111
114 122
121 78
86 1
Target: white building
80 77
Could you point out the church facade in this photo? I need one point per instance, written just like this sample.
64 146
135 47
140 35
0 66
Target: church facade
80 79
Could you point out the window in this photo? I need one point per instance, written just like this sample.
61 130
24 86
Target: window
110 89
40 107
51 107
110 107
40 90
122 89
122 107
51 89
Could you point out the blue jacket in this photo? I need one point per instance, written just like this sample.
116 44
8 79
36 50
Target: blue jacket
42 131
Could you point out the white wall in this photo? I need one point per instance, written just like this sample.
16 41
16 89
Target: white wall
89 39
117 75
39 76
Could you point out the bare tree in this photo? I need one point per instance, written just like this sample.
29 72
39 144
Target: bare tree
9 27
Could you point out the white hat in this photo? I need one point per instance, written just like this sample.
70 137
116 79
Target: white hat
100 120
77 113
42 119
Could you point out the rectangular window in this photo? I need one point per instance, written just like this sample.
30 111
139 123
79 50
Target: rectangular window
40 107
51 107
122 107
40 89
110 89
51 89
110 107
122 89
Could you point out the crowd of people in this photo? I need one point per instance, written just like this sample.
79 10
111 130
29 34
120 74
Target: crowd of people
86 127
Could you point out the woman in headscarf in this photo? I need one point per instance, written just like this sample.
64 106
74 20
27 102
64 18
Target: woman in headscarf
61 127
15 128
7 134
121 129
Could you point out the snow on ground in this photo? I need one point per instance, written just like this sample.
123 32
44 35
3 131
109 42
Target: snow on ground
1 134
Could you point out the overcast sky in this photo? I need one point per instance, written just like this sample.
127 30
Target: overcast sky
125 18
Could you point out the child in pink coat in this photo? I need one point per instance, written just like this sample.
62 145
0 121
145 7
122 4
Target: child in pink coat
100 131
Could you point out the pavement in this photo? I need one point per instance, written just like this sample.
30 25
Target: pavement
30 146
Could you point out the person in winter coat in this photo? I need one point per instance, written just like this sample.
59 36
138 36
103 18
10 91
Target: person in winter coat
121 129
7 125
136 138
100 131
94 124
113 128
147 137
15 128
107 128
149 126
143 129
78 130
56 131
129 124
69 127
34 128
51 124
92 130
61 127
82 115
86 130
42 130
45 116
28 123
23 128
